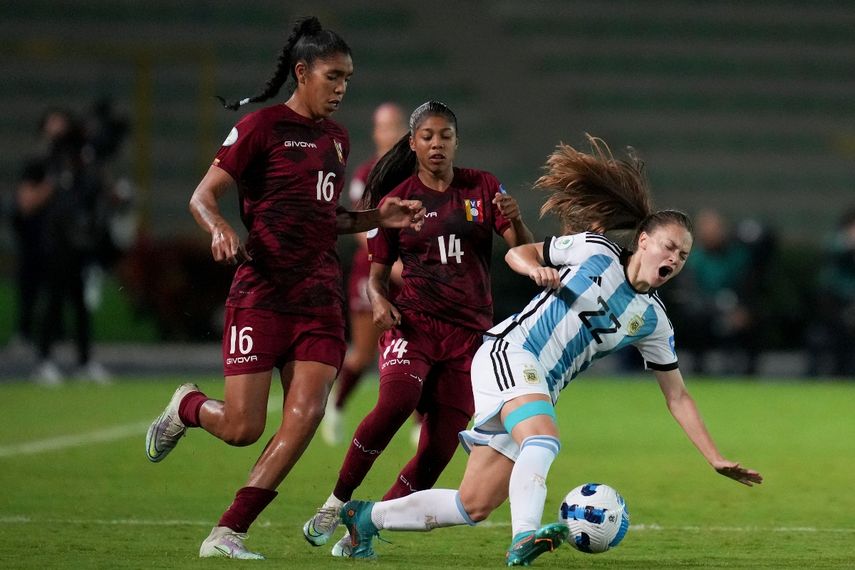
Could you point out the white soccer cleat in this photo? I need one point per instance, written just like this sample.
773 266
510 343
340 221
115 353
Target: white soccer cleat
95 373
320 528
343 548
223 542
164 432
48 374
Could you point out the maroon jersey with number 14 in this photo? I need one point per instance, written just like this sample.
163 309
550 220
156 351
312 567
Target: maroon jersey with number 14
290 173
447 264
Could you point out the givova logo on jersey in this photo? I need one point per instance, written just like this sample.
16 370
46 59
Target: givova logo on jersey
394 353
474 210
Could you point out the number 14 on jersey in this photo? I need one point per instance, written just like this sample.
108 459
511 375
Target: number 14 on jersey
454 248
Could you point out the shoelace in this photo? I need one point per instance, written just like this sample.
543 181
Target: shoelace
328 518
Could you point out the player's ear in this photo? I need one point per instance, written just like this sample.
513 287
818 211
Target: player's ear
301 71
412 143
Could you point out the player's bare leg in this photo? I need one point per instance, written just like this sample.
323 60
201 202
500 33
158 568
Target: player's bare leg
305 386
485 482
238 419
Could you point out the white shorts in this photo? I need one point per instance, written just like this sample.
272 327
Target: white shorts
500 373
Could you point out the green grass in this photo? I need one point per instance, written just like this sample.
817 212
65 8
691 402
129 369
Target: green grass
102 505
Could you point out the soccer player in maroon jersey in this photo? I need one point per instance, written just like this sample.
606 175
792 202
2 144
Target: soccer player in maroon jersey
285 308
435 324
389 125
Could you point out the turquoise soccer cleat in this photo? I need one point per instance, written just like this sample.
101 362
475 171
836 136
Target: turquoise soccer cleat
356 516
528 545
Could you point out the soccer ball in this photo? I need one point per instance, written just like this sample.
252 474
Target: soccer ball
597 517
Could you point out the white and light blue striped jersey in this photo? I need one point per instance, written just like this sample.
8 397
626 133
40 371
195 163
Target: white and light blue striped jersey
595 312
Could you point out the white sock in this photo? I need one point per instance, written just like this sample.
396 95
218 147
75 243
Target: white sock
333 501
422 511
527 490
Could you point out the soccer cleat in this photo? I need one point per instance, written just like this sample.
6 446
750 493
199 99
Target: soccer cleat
343 548
164 432
48 374
528 545
223 542
356 516
320 528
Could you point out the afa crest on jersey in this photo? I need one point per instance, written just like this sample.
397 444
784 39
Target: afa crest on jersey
474 210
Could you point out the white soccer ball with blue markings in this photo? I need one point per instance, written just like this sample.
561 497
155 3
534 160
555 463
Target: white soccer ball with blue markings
597 517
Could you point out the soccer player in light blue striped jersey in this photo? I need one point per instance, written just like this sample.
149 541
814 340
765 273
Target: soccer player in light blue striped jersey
597 298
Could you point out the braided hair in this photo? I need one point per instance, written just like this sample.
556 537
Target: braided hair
308 42
400 162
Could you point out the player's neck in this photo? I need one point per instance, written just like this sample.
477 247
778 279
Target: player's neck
632 271
439 181
300 107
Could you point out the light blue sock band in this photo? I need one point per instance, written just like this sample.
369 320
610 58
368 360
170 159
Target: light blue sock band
536 408
463 512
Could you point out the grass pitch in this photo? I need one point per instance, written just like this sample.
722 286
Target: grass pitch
77 491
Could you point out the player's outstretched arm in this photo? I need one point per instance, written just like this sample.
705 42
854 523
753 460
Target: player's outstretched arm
392 213
684 410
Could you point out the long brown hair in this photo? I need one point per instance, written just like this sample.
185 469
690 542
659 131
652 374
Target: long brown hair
594 191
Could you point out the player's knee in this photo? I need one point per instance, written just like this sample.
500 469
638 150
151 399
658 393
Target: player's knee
241 435
476 507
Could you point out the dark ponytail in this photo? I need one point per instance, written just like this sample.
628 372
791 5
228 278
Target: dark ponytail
400 162
393 168
308 41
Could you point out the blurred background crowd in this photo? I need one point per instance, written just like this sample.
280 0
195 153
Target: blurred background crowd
744 112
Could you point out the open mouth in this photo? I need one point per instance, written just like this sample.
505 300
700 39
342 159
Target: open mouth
665 271
436 157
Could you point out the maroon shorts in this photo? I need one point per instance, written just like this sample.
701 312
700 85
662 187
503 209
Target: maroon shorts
434 353
258 340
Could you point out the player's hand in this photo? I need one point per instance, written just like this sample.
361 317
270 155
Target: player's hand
397 213
226 247
386 315
545 277
507 205
738 473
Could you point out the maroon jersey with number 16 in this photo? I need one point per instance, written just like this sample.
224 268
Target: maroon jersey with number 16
447 264
290 173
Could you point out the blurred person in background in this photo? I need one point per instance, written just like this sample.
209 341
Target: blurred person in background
389 125
712 298
71 234
435 323
285 309
831 340
31 201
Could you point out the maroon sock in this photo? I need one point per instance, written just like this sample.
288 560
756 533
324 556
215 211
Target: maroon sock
248 504
437 445
347 381
188 409
395 402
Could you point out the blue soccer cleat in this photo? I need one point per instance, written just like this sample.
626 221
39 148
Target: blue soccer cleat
528 545
356 516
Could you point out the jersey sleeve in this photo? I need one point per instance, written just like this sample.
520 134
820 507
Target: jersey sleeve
565 250
243 143
383 245
500 222
657 349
